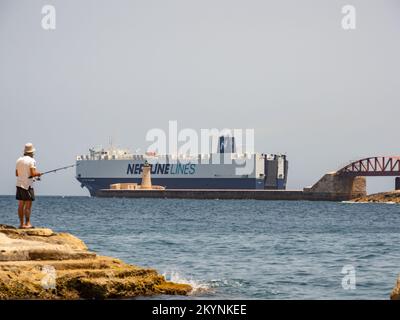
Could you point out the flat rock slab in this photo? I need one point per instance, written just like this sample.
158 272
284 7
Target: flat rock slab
41 232
43 235
24 250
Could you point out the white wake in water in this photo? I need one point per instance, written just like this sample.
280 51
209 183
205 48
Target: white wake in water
198 287
367 202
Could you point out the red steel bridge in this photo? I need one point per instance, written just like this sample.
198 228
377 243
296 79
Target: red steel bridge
373 167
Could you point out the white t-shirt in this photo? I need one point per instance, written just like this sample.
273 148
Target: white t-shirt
24 165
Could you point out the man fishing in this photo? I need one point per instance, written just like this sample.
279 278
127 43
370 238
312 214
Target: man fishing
25 172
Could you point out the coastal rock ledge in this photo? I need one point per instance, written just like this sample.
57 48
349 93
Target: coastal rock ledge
382 197
41 264
395 295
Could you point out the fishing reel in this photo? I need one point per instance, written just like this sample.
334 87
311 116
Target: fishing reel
35 178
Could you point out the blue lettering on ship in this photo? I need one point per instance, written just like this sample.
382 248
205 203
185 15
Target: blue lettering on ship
167 168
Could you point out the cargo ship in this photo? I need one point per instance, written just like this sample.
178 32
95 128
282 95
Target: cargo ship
224 169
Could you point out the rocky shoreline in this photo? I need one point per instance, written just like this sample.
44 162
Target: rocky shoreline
383 197
42 264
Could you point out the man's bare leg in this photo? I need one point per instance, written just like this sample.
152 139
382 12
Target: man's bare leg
28 207
21 213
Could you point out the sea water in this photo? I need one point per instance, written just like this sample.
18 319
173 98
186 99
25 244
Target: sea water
238 249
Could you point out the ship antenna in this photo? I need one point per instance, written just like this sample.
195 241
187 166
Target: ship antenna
110 141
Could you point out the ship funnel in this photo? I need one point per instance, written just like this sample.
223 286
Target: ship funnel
226 144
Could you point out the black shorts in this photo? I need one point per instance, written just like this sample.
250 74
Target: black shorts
25 195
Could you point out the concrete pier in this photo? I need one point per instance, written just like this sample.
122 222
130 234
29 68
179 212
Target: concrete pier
223 194
331 187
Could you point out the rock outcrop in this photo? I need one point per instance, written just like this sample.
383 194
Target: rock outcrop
383 197
41 264
395 295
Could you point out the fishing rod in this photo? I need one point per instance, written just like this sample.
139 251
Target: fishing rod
55 170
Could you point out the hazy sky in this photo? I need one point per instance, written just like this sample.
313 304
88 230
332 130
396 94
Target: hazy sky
320 94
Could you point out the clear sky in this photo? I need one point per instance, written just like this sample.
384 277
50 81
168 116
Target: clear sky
286 68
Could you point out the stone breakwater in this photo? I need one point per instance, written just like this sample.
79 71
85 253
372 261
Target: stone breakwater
42 264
